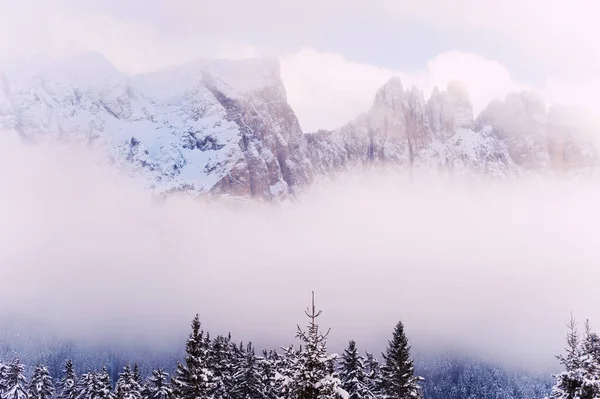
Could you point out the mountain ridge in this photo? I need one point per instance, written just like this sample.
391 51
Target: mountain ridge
225 127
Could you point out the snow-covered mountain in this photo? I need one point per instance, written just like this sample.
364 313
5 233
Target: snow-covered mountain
225 127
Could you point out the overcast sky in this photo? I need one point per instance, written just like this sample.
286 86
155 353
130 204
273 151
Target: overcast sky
335 53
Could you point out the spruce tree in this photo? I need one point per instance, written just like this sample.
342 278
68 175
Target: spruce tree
352 373
581 378
373 374
249 382
221 359
193 379
127 386
159 388
41 385
271 374
312 373
399 381
86 388
102 384
67 385
2 368
13 381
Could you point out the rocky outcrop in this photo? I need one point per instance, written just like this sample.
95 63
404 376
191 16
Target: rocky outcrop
225 127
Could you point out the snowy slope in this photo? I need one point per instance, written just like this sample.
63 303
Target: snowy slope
225 127
218 126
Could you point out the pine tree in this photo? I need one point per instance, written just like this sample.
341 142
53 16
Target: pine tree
373 374
271 378
67 386
159 388
399 381
41 385
312 373
13 381
249 381
581 378
102 384
127 386
221 363
2 369
352 373
86 388
193 379
137 376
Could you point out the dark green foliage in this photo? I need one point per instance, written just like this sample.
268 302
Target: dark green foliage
399 381
249 382
193 379
373 374
352 374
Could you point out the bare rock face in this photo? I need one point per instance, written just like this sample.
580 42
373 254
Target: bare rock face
450 110
225 127
537 138
402 129
206 126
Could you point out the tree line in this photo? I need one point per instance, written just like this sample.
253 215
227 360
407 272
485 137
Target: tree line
218 368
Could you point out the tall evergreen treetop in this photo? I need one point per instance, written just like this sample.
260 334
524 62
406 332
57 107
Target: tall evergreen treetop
158 387
127 386
581 378
352 373
13 381
102 384
193 379
41 385
373 374
313 371
399 381
67 385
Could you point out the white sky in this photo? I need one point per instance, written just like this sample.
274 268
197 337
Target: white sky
334 53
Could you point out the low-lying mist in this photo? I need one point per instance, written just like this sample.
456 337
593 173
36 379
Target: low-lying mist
494 269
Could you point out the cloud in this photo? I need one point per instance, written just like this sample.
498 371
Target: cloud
496 269
327 90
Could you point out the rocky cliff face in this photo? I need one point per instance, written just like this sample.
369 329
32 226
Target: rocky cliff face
225 127
207 126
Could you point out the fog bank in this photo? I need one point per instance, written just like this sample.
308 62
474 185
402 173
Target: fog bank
495 268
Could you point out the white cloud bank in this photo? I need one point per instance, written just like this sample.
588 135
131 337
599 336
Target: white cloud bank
495 269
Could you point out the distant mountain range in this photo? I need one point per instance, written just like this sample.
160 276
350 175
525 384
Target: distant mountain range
226 128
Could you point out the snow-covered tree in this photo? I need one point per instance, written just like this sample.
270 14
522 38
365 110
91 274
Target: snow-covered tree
312 374
581 378
158 387
352 373
86 386
270 370
249 383
399 381
67 385
127 386
41 385
2 367
220 363
13 381
102 384
193 379
373 374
